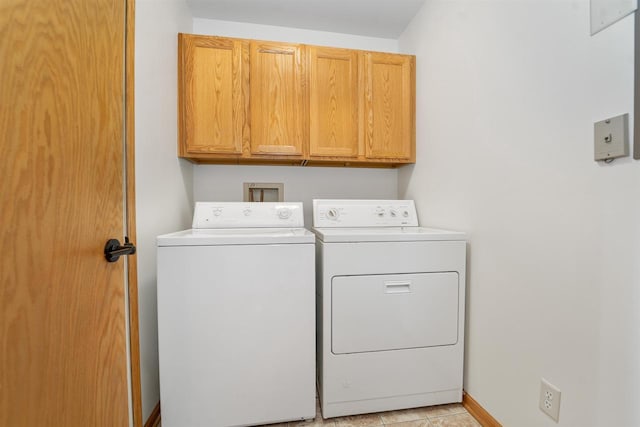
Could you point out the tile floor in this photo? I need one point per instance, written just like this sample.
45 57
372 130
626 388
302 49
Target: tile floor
453 415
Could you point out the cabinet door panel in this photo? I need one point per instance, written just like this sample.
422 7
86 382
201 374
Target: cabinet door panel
278 125
389 106
333 102
213 113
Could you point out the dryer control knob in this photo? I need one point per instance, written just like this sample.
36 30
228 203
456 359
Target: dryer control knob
379 212
333 214
284 213
405 214
246 212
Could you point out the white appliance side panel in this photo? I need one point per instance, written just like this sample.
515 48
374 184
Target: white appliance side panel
319 317
236 329
393 312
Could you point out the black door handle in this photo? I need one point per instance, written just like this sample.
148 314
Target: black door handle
113 251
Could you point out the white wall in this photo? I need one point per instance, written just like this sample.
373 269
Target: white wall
164 184
301 184
224 183
291 35
507 93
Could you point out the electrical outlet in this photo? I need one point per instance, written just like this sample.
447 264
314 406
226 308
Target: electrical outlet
549 399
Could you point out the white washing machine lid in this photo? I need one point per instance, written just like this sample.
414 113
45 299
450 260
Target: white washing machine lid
386 234
236 236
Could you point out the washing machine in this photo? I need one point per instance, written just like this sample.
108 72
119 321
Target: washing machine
390 308
236 317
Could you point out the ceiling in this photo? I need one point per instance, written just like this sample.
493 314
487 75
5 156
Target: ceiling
373 18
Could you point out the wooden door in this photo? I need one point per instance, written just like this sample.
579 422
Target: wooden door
278 99
389 106
333 108
213 82
63 354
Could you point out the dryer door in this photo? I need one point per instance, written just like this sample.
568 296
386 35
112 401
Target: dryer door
393 312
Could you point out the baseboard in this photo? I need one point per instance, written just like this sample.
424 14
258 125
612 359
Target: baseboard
478 412
469 403
154 418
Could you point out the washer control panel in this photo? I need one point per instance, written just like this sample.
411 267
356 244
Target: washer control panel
247 215
364 213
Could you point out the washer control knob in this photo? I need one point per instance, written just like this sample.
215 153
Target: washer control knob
405 213
284 213
393 213
333 214
217 212
379 212
246 212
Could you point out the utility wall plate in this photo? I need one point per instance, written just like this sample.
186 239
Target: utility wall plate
263 192
549 399
611 138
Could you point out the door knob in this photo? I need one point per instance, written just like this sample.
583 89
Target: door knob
113 250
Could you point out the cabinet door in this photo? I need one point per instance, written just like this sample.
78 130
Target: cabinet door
278 101
213 75
389 106
333 96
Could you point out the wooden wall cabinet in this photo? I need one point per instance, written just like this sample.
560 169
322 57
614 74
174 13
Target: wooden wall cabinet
389 107
277 100
334 92
212 95
250 101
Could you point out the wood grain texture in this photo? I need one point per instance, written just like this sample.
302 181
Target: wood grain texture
389 106
333 102
292 161
62 327
246 106
278 99
320 105
132 261
212 76
154 417
478 412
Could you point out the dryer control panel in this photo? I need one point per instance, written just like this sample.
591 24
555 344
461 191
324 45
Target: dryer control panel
329 213
247 215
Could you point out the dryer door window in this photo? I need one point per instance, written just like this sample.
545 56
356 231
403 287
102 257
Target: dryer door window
393 312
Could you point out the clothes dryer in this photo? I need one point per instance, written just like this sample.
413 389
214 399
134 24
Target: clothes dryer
390 308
